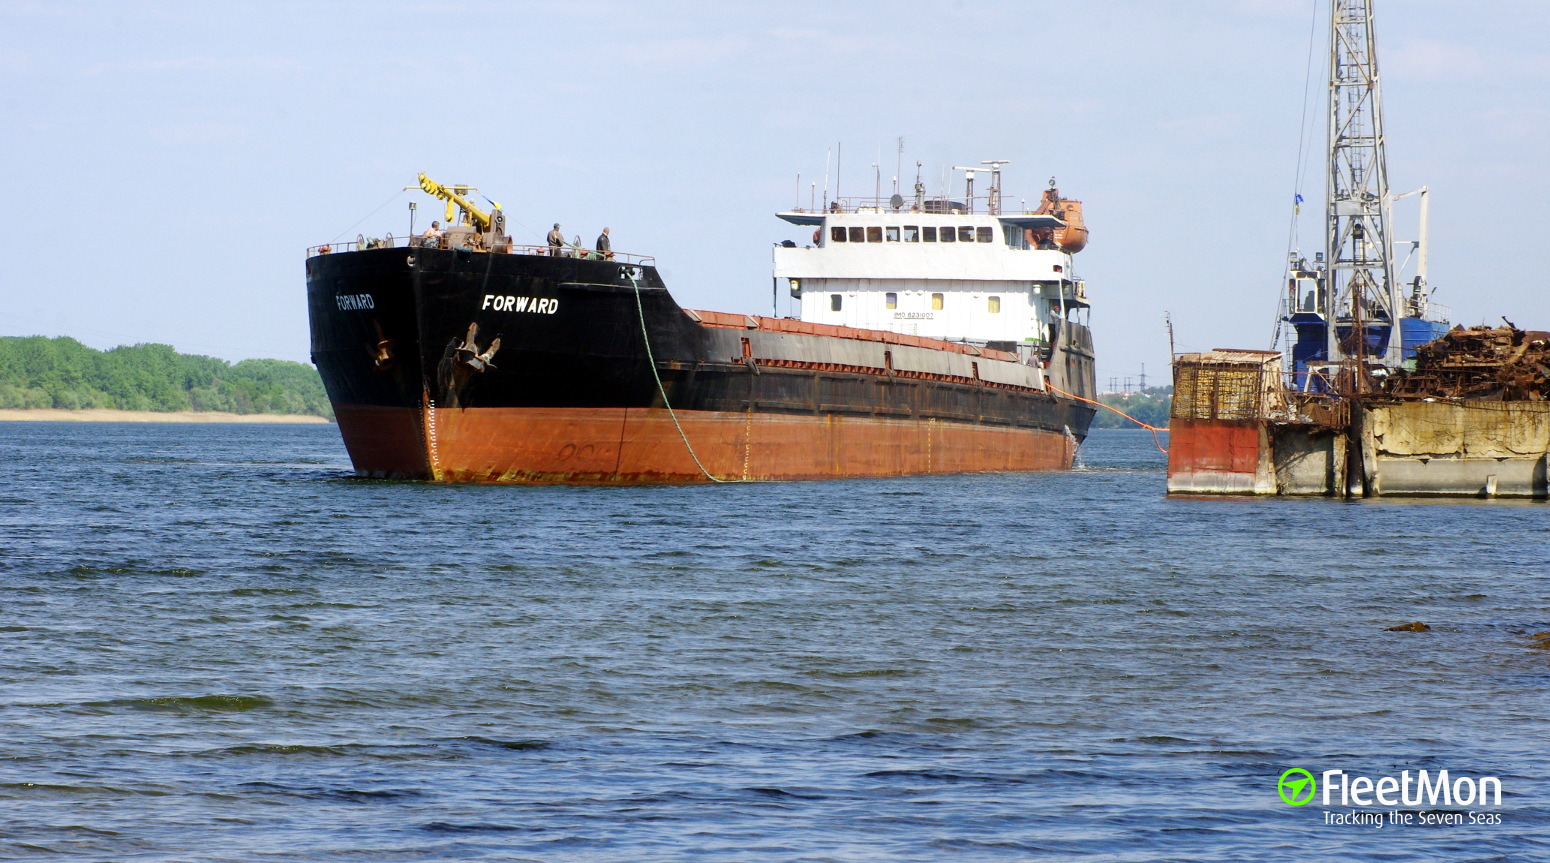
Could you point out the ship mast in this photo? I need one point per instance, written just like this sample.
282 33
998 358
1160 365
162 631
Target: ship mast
1362 294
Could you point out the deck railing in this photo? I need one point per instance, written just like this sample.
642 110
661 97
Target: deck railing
935 205
389 241
1435 311
1320 409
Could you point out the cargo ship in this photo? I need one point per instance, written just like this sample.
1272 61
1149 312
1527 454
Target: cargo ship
935 336
1375 394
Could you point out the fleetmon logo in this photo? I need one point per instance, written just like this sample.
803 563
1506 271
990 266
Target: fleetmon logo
1296 787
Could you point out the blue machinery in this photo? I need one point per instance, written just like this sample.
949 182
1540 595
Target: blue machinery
1343 306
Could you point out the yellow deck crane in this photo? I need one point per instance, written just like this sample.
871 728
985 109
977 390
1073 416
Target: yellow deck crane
467 225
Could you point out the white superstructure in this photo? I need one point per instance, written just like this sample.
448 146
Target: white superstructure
936 268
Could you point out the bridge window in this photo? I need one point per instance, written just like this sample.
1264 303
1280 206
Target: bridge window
947 235
891 234
985 235
874 234
858 235
936 301
930 234
995 304
892 300
837 234
834 302
966 234
911 234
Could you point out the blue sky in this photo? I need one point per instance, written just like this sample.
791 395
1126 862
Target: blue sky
167 164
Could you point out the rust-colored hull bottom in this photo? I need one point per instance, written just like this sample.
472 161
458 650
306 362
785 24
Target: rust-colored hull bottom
624 446
1214 456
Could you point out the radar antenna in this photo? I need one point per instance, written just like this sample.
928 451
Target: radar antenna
968 183
994 201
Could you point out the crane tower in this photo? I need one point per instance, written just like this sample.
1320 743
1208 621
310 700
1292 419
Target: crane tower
1362 304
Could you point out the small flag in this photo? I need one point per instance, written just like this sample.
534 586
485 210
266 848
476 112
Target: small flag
1297 206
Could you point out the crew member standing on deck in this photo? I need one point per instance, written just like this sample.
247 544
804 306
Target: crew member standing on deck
433 232
604 246
556 240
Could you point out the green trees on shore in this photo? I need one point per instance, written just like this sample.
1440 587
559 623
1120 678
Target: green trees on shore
40 372
1150 406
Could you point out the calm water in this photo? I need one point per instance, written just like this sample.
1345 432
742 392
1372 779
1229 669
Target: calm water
216 646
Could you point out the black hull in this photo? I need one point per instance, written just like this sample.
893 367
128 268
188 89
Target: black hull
403 329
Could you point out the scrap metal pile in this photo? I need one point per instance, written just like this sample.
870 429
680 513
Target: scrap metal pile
1483 363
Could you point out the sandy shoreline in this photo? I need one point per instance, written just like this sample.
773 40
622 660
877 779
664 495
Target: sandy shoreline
99 415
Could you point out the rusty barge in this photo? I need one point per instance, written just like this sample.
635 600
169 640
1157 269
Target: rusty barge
1375 395
1471 418
936 336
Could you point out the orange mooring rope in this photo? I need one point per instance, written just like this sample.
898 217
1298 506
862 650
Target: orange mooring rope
1153 429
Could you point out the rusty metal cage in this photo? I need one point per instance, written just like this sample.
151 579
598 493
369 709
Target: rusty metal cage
1228 385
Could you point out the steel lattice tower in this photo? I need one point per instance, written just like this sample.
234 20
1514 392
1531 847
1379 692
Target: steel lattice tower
1362 292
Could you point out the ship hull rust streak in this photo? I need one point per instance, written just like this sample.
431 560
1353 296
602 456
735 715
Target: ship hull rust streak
626 446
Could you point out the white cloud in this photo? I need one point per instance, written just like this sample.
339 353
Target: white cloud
1276 8
246 66
198 133
17 63
1433 60
1439 60
1517 124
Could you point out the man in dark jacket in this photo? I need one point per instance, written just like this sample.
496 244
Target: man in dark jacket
604 246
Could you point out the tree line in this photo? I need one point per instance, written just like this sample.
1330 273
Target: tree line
41 372
1150 406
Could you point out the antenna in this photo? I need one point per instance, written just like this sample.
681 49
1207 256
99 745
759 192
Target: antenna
1416 305
898 165
920 190
994 202
968 183
839 156
826 155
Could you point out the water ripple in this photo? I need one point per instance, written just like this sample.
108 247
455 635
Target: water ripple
216 647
